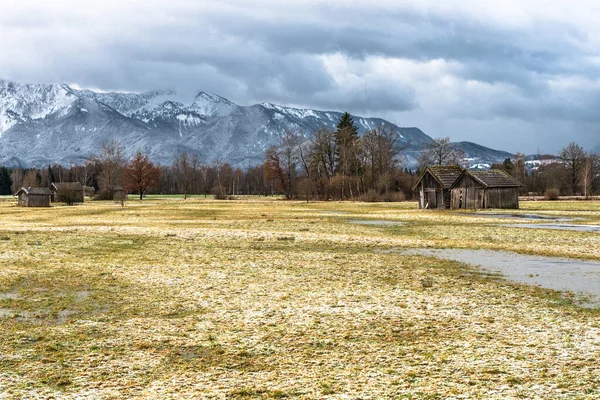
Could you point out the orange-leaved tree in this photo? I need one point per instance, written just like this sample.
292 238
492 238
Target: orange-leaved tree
141 174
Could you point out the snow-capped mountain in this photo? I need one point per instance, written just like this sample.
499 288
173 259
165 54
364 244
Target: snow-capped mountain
54 123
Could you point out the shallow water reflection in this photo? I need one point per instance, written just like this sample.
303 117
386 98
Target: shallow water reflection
563 274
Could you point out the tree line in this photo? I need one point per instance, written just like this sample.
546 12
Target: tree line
574 172
111 170
338 164
329 164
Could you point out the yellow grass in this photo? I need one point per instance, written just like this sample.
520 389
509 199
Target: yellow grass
168 298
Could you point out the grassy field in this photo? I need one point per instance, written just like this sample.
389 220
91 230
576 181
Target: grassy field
255 298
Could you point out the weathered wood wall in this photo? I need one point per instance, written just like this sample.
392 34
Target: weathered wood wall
502 198
34 200
475 196
467 193
431 193
468 198
22 199
78 198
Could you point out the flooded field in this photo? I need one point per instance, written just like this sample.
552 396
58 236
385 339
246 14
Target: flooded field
375 222
264 298
520 216
560 227
562 274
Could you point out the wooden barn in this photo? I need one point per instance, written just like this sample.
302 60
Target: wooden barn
72 189
34 197
435 185
485 189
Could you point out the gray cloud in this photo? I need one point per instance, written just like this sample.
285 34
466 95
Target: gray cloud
480 64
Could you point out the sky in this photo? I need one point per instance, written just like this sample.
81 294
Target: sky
516 75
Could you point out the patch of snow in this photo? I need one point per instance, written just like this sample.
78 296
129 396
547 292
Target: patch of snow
189 119
481 166
212 105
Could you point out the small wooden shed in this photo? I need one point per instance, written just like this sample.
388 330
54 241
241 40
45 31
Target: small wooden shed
485 189
435 184
89 191
34 197
60 189
119 194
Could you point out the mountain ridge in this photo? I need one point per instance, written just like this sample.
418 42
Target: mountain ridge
54 123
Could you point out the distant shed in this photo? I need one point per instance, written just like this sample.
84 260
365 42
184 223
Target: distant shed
485 189
435 185
71 189
89 191
119 194
34 197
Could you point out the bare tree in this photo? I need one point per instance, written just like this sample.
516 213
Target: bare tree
590 170
112 161
274 170
324 151
441 151
574 158
184 169
381 148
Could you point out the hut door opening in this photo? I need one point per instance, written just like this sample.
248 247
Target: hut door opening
430 199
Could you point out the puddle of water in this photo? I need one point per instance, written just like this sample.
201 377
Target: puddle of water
7 313
521 216
82 295
562 227
21 316
63 315
563 274
375 222
37 318
328 212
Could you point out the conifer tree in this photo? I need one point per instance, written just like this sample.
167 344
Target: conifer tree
346 140
5 181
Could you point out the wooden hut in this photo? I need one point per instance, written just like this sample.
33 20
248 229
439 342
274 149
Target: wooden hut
119 194
34 197
435 184
485 189
72 190
89 191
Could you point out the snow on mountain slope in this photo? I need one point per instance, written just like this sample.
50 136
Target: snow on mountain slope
211 105
132 103
20 103
42 124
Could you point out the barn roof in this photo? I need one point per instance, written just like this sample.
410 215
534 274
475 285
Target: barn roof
494 178
35 191
444 175
76 186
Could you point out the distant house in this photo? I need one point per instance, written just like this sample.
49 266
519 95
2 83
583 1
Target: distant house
34 197
71 189
89 191
119 194
435 185
485 189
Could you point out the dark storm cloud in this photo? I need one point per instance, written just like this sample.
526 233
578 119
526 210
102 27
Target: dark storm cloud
478 61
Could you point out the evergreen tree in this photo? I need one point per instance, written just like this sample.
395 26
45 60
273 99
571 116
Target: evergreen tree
346 121
5 181
51 176
346 143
